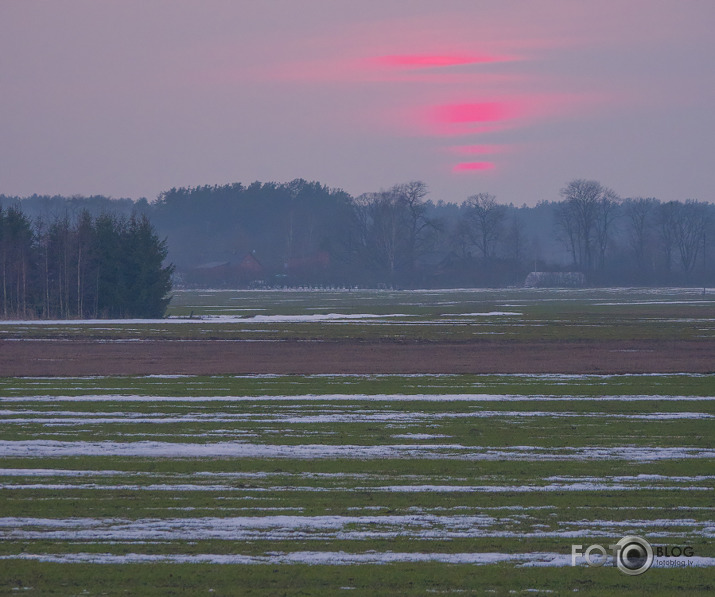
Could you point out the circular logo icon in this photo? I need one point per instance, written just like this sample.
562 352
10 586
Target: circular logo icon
634 556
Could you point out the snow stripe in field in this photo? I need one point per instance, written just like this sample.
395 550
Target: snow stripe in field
483 314
357 398
183 487
322 317
332 558
337 415
331 528
342 558
52 448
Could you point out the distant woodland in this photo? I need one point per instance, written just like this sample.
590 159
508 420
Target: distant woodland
303 233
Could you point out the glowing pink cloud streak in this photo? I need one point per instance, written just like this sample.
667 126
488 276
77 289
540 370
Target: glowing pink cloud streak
473 112
463 119
426 69
434 60
473 166
454 96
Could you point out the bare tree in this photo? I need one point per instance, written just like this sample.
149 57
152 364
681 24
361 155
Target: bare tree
486 218
394 227
640 214
683 228
461 240
607 210
668 231
515 238
691 225
584 220
411 196
567 229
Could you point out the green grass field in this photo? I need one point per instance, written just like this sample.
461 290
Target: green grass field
362 484
453 315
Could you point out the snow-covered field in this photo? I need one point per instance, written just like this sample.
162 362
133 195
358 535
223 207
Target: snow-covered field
242 471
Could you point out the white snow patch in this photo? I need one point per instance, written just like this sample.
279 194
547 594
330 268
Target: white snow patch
336 558
326 528
333 558
328 317
484 314
358 398
155 449
420 436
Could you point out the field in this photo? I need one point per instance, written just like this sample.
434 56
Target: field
357 478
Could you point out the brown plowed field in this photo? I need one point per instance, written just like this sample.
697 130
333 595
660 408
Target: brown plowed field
87 357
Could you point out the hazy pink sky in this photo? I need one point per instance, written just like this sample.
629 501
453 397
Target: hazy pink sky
131 97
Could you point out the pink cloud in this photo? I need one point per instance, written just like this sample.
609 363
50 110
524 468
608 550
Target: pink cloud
473 166
426 69
462 118
435 87
434 60
471 112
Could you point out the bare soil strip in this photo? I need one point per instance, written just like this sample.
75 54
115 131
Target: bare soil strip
213 357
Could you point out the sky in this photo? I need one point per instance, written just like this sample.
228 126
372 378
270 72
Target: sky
129 98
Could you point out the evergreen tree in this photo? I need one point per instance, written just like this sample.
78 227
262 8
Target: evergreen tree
108 267
147 282
16 263
111 292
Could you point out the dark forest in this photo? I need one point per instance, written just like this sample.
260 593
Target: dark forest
108 266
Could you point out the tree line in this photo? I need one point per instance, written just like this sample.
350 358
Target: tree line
661 241
304 233
82 267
